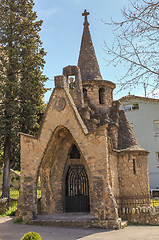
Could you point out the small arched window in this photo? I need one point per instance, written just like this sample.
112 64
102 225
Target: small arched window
134 167
74 153
71 81
101 95
84 92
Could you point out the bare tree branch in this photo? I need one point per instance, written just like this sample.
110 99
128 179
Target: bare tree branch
136 43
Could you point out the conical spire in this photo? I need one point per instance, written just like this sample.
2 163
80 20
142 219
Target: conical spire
87 61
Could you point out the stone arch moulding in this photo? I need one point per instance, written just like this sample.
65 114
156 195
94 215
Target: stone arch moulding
53 169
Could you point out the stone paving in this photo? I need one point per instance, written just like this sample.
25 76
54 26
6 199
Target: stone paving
11 231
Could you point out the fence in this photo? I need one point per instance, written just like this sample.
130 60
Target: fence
136 201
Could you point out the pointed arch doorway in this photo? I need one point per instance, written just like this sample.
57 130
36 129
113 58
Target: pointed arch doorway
77 189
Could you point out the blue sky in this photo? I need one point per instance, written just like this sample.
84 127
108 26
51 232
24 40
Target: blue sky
62 32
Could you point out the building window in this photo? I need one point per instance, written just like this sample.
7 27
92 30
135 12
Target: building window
131 107
156 125
134 167
84 92
157 156
71 81
101 95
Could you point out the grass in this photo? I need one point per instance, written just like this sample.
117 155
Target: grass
14 194
38 192
155 202
11 210
141 224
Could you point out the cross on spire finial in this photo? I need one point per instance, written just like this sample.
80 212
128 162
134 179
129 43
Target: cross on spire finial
85 14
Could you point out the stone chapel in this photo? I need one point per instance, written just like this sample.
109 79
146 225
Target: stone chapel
85 151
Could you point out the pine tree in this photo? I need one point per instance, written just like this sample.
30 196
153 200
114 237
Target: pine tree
21 78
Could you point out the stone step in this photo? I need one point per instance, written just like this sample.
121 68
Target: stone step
64 220
62 223
70 220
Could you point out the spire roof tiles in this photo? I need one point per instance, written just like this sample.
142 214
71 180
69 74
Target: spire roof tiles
87 61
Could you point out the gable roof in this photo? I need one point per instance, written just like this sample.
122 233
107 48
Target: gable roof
133 97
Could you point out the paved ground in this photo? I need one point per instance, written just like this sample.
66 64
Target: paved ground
11 231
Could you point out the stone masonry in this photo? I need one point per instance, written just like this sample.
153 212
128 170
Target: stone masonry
85 152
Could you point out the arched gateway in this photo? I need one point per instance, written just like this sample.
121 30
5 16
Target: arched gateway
77 189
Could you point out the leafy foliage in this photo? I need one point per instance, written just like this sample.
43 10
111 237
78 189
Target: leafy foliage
31 236
136 45
21 78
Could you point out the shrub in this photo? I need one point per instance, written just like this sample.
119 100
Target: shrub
31 236
18 220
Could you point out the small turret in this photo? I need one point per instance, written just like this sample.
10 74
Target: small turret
96 91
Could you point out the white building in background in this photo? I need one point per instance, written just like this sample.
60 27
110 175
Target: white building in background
143 115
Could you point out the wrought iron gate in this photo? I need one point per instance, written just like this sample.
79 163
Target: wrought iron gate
77 190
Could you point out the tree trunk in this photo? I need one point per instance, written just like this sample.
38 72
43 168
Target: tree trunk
6 169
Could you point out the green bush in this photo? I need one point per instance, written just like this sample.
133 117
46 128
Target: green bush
18 220
31 236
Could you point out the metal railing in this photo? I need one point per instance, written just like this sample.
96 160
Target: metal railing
133 201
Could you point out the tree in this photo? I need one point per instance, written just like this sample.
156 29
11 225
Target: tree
136 44
21 78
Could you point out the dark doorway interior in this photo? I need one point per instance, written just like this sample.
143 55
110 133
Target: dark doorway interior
74 152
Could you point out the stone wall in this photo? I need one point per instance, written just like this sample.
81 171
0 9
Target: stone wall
113 133
113 173
47 154
141 215
75 87
133 173
93 87
128 181
4 205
